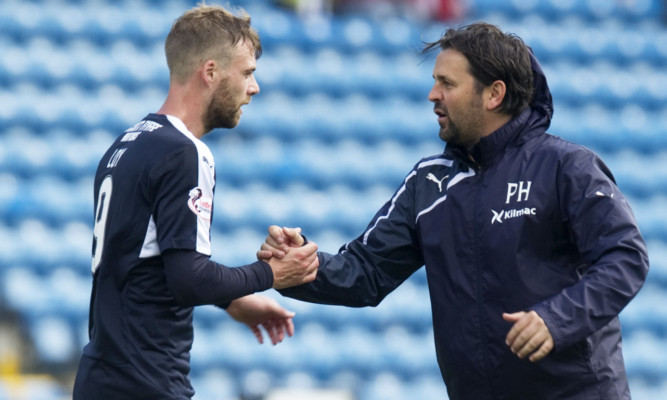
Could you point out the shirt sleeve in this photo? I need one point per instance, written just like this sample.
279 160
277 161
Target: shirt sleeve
606 234
370 267
194 279
183 201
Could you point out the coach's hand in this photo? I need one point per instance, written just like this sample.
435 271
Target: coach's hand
529 336
256 311
279 241
297 267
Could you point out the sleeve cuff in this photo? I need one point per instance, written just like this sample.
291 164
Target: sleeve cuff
264 273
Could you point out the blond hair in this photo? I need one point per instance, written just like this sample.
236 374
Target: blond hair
207 33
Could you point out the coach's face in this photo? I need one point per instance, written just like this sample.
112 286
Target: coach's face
234 90
456 100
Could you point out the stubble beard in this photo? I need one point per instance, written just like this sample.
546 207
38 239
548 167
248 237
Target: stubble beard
468 131
450 133
222 110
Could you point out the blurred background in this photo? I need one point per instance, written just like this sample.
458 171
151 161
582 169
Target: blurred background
341 119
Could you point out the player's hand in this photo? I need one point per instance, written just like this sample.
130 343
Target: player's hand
255 311
529 336
297 267
279 241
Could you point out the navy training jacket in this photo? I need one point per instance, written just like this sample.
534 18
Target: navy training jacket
535 223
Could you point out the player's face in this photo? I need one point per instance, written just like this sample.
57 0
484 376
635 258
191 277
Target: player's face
456 100
235 89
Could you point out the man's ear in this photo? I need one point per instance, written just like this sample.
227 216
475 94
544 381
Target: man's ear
494 95
208 72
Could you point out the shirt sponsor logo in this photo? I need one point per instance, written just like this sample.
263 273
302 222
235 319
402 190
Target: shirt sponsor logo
516 192
199 204
500 216
143 126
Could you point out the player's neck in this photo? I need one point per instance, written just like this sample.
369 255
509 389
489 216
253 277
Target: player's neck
185 107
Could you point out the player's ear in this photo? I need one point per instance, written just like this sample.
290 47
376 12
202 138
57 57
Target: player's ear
494 94
208 72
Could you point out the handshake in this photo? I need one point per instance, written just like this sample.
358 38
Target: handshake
293 261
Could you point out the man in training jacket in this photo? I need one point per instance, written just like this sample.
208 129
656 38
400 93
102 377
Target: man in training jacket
530 249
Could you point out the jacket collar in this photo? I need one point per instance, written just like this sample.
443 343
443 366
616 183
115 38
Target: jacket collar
490 147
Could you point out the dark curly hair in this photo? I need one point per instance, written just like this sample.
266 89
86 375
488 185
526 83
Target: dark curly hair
493 55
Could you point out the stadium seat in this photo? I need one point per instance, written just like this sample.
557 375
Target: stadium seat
386 386
30 387
53 339
658 258
215 384
594 10
642 359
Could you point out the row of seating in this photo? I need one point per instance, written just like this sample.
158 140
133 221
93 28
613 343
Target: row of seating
396 335
291 70
64 167
324 347
32 387
42 211
631 11
57 182
593 10
107 23
39 249
96 119
259 383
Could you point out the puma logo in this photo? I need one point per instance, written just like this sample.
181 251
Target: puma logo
432 177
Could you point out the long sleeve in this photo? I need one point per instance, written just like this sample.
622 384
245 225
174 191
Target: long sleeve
605 232
368 268
194 279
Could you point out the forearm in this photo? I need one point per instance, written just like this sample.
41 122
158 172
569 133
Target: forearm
352 279
368 268
194 279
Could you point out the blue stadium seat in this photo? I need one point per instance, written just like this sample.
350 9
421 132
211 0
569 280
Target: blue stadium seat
8 254
277 27
70 290
385 386
215 384
428 387
642 359
409 354
658 259
638 175
54 340
594 10
31 387
647 389
642 316
361 351
22 290
651 217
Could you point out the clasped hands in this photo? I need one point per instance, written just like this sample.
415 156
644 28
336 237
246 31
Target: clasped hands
292 263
